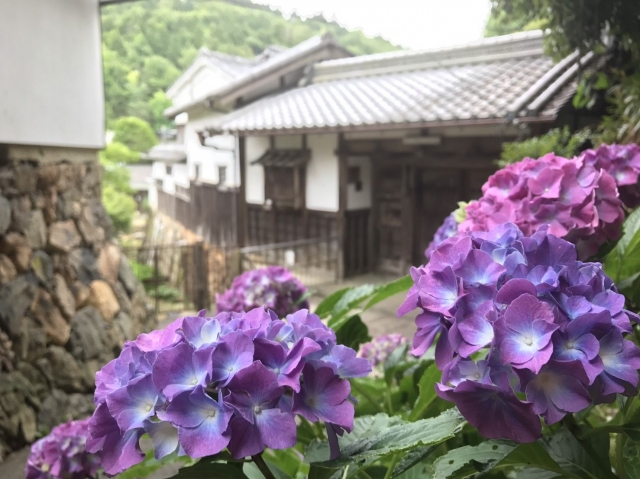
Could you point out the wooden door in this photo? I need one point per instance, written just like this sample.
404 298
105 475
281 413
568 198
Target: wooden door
437 194
389 197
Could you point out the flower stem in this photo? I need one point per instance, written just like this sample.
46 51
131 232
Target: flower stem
264 469
392 466
620 469
574 429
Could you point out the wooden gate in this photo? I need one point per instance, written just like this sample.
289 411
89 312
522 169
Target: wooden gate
392 205
438 192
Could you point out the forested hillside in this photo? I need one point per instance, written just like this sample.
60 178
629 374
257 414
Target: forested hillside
148 44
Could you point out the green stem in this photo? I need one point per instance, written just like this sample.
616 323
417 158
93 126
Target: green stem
389 401
602 430
392 466
574 429
620 469
365 474
264 469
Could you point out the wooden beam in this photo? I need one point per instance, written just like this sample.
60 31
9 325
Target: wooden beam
342 205
242 221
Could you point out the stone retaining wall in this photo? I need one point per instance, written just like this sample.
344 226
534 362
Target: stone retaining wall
68 298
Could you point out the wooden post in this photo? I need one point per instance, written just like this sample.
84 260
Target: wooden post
303 194
201 277
242 225
342 205
373 218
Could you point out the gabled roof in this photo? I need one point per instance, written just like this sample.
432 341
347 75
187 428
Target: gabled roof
270 63
233 66
488 81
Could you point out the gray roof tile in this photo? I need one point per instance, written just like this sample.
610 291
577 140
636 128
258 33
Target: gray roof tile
480 81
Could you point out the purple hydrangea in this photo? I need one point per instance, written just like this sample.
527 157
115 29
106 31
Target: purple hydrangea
273 287
622 162
380 348
517 317
446 230
62 454
235 381
577 201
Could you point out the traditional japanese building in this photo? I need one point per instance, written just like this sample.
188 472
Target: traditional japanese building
377 150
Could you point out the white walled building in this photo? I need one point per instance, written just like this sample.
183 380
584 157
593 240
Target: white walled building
215 84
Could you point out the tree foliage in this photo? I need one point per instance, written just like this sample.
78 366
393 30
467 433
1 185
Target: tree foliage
586 25
147 44
116 190
560 141
574 24
134 133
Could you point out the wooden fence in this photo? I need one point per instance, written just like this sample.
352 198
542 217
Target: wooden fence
207 210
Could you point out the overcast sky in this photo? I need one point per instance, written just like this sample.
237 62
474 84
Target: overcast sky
415 24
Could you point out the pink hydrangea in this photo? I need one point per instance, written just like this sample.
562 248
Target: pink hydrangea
622 162
579 202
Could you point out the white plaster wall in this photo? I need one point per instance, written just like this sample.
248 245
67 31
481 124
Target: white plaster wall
51 90
209 158
288 141
200 80
158 170
360 199
180 174
322 173
153 197
255 147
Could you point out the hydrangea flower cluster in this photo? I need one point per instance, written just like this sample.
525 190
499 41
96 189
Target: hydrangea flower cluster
62 454
579 202
273 287
234 381
379 349
518 314
448 228
622 162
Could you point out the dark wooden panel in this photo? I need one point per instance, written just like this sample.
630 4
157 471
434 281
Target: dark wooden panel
209 211
278 225
357 246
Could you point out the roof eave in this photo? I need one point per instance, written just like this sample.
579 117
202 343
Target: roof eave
378 126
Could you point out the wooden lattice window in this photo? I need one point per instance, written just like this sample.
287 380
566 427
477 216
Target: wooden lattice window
284 186
284 176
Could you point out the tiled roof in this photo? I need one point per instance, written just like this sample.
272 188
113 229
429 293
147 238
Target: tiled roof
489 80
236 66
167 152
270 61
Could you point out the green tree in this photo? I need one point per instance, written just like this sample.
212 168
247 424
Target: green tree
134 133
117 195
148 44
589 25
116 153
120 207
157 105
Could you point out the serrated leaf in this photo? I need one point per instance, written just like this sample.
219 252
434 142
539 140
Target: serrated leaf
397 439
327 304
427 387
631 454
469 460
353 333
412 458
401 285
567 452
